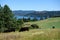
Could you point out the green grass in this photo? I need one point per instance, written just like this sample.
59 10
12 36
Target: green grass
45 33
48 23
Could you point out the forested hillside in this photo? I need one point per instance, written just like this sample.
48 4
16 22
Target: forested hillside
36 13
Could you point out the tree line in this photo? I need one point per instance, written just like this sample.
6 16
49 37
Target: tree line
8 21
29 19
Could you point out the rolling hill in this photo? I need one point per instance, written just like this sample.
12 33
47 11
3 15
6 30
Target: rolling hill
36 13
21 12
47 23
36 34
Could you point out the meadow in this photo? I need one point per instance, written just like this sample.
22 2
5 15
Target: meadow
45 31
47 23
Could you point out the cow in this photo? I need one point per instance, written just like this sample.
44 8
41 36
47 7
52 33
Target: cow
9 30
24 29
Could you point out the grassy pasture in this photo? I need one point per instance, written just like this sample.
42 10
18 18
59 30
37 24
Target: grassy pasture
33 34
45 33
48 23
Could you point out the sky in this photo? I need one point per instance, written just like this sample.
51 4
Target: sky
38 5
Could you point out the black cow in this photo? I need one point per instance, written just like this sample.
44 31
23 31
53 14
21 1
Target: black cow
24 29
9 30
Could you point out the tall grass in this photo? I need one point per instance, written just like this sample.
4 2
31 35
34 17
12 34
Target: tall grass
36 34
45 33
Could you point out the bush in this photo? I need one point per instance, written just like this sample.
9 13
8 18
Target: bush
34 26
53 27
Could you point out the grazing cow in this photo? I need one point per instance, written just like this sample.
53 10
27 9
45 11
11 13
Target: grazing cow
9 30
24 29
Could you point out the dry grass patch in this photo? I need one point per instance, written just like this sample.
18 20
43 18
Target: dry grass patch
34 34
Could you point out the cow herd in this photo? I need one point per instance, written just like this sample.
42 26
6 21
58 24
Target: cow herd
23 29
20 30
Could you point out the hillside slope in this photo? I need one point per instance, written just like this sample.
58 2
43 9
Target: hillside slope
36 34
36 13
48 23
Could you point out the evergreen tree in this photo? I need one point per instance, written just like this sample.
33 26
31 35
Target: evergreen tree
35 19
20 22
29 19
1 19
24 19
8 17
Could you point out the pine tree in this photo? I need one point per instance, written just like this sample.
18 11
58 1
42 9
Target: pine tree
1 19
35 19
8 17
29 19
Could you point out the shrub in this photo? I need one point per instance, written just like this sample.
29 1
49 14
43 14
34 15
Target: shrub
34 26
53 27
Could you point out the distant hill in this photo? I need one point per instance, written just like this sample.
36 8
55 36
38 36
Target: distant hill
36 13
21 12
45 13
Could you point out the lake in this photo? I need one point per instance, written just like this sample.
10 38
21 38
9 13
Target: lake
31 17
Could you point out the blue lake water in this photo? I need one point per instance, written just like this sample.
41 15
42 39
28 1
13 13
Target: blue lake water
32 17
20 17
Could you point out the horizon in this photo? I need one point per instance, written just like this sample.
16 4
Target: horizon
34 5
36 10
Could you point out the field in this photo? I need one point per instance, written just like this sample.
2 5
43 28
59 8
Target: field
35 34
48 23
45 33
